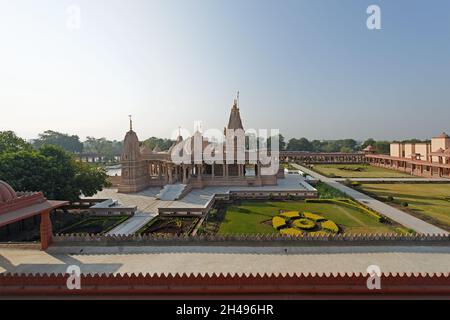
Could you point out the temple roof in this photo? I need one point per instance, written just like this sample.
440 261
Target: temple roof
235 121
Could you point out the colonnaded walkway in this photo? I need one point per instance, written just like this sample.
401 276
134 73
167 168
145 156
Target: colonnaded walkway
399 216
235 260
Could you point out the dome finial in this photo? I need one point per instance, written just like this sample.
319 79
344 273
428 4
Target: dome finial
131 122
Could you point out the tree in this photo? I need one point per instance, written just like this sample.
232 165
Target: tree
162 143
281 142
301 144
63 140
368 142
382 147
10 142
53 171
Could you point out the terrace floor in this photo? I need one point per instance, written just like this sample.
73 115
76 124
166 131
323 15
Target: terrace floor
225 259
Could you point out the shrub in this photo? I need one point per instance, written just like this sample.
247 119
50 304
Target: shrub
390 198
304 224
278 222
330 225
312 216
404 204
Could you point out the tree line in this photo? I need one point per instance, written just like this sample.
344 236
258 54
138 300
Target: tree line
47 168
340 145
108 149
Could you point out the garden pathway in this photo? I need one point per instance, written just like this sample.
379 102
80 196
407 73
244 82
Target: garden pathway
397 215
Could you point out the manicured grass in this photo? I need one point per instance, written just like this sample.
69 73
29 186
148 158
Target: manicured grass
427 201
250 217
357 171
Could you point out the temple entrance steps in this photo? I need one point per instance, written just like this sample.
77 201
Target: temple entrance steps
171 192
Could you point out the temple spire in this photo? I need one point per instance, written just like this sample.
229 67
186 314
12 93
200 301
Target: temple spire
131 122
235 121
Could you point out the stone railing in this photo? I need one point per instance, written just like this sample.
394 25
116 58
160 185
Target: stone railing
267 240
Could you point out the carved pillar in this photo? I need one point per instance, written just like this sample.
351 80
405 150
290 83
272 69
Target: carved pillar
159 170
46 230
169 170
184 173
199 172
212 169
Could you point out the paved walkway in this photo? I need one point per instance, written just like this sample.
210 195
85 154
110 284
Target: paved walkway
132 224
226 260
399 216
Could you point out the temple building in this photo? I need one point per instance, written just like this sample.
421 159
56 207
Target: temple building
431 159
143 168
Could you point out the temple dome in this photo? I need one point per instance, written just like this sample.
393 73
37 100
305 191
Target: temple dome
7 193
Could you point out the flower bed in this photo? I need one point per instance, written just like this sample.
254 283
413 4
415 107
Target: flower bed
293 223
291 232
290 214
278 222
304 224
330 226
313 217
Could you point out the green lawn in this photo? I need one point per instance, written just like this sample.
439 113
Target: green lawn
249 217
429 202
357 171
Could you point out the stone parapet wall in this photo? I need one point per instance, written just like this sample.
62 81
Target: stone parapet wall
190 285
269 240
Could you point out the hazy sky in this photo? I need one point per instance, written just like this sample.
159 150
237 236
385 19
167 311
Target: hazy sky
310 68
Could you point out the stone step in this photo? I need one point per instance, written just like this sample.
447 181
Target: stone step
171 192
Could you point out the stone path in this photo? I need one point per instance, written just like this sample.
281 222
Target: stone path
399 216
132 224
226 259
